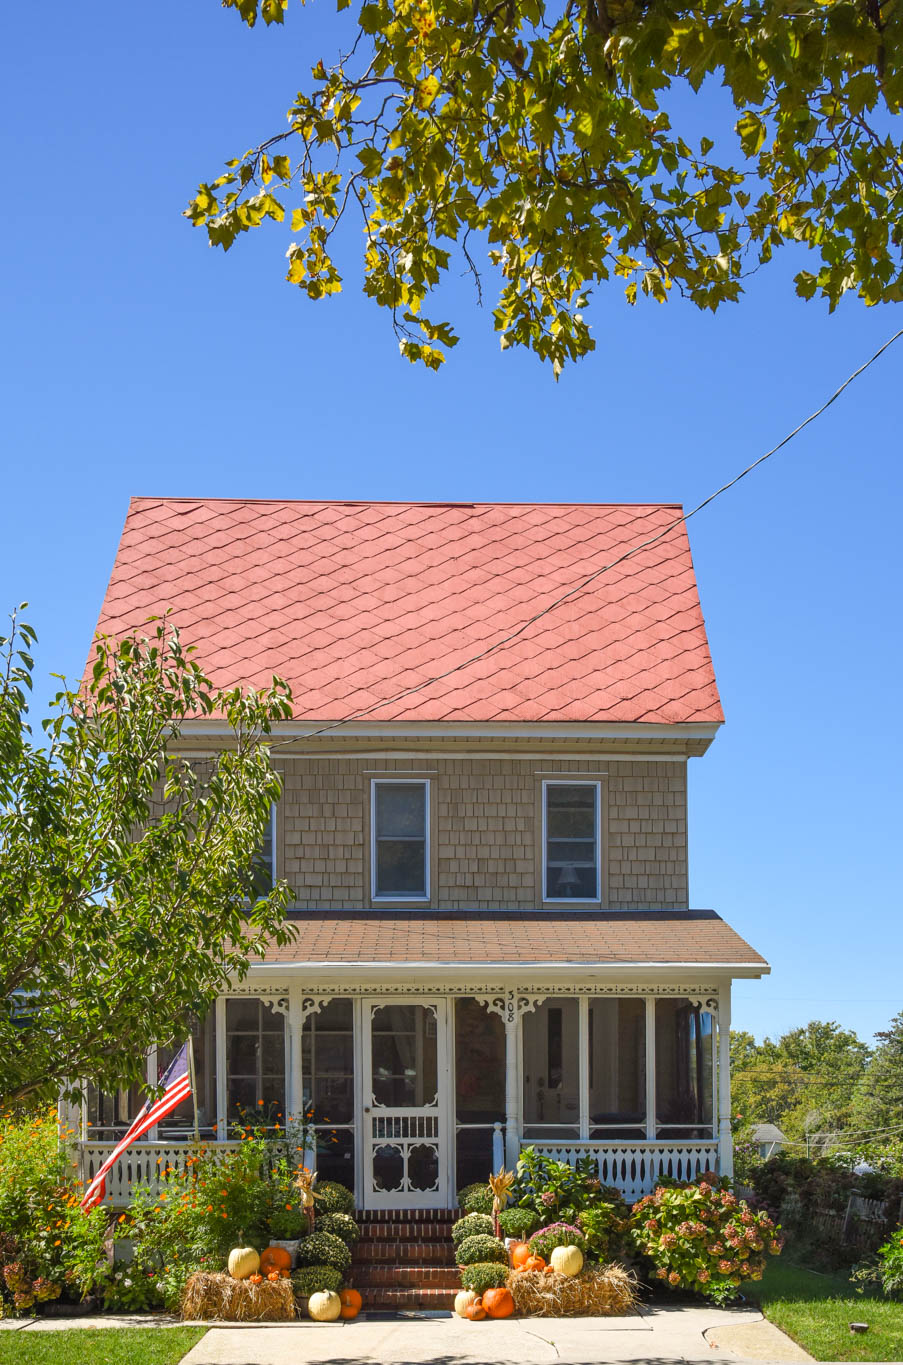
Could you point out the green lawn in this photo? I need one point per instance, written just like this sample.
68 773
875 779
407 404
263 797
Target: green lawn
816 1310
101 1346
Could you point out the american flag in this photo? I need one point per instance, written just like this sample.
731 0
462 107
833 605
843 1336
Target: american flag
176 1088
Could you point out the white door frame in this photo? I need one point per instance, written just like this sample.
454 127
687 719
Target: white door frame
437 1122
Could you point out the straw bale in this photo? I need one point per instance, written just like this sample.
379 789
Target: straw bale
220 1296
598 1291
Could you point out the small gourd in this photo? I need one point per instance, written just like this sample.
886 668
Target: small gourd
534 1263
351 1303
475 1312
463 1299
243 1261
273 1276
567 1260
324 1306
255 1279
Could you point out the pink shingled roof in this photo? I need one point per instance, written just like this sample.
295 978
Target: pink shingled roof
352 602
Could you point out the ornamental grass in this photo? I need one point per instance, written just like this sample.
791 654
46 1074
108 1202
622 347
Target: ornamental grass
209 1296
598 1292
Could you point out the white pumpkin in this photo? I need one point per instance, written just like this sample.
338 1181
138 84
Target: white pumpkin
243 1261
463 1299
567 1260
324 1306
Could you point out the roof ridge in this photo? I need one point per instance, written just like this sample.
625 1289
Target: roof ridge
389 502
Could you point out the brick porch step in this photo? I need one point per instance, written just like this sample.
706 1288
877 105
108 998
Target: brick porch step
440 1252
407 1216
407 1277
408 1298
405 1232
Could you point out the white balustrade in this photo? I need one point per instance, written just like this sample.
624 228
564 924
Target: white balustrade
144 1163
636 1167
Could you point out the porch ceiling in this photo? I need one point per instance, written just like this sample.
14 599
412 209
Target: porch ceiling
463 938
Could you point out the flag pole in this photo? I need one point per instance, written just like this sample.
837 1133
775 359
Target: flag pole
194 1087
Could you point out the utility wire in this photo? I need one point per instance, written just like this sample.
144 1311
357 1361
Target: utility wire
606 568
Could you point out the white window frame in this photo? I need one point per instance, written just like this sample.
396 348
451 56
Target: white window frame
391 897
571 900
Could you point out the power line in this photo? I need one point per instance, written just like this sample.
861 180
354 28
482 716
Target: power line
606 568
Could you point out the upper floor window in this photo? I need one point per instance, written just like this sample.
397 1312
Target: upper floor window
571 841
399 839
265 858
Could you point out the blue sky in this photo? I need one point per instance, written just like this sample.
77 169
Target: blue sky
136 360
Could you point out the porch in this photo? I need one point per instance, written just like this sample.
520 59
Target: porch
412 1091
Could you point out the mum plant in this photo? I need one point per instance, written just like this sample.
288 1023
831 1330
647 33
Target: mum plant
703 1238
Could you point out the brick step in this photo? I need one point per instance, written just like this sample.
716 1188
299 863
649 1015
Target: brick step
366 1216
434 1299
411 1253
408 1276
405 1232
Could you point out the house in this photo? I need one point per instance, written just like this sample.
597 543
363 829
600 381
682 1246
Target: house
768 1139
484 821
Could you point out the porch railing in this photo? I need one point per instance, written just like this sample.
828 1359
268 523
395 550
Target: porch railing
637 1167
142 1164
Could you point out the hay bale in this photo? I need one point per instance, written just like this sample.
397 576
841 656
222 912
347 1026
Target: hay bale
220 1296
598 1291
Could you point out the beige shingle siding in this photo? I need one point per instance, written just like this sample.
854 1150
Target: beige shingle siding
487 830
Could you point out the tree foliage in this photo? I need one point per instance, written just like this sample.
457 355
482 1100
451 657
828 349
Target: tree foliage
878 1103
560 135
127 874
804 1082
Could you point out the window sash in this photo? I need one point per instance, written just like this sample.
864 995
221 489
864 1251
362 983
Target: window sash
411 844
577 852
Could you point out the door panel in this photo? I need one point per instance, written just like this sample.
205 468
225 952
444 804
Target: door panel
405 1103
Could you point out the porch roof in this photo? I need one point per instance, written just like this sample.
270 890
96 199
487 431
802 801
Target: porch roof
460 938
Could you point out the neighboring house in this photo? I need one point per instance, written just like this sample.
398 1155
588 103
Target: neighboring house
496 943
768 1139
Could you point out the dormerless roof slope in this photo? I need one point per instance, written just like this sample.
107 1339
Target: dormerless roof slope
353 602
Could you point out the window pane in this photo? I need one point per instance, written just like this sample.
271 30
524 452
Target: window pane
552 1064
617 1060
404 1060
327 1062
479 1064
335 1155
400 867
400 810
473 1156
264 870
683 1069
255 1062
571 842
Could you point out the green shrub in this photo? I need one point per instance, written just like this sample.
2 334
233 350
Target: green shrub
555 1190
310 1279
544 1242
324 1248
340 1225
518 1222
288 1223
890 1262
480 1248
472 1225
605 1228
484 1275
702 1238
331 1197
476 1198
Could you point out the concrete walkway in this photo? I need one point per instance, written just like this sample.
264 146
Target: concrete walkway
662 1335
657 1335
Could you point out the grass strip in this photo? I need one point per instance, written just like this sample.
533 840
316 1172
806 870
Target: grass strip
98 1346
816 1310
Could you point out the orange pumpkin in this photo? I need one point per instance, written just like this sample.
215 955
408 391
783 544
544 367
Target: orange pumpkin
275 1258
255 1279
534 1263
274 1276
351 1303
475 1311
498 1303
518 1251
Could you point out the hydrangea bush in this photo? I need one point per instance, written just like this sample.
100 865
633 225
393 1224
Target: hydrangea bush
702 1238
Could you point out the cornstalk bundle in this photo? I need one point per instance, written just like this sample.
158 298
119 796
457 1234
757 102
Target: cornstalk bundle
605 1291
220 1296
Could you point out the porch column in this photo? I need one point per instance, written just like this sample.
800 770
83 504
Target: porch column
294 1022
512 1088
725 1137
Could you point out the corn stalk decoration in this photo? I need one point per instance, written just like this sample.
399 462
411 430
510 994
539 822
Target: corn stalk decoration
500 1184
304 1184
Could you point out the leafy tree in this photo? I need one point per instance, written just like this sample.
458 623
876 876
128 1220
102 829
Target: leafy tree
878 1103
127 874
561 134
811 1070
